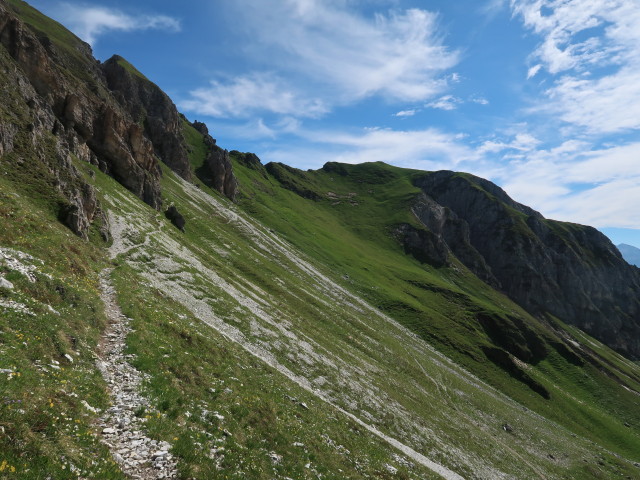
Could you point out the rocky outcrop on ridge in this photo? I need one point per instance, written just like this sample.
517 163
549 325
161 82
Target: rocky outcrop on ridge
570 271
64 92
151 107
63 105
218 165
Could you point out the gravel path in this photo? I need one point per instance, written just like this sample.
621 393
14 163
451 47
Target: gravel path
120 425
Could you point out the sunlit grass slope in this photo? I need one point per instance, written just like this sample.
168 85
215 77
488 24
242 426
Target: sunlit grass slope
343 215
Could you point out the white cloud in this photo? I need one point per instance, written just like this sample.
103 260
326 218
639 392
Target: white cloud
607 205
446 102
89 22
522 142
410 148
593 49
243 96
479 100
405 113
533 71
428 149
605 105
574 181
342 56
493 7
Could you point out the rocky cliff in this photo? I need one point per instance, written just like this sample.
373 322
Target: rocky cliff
64 92
66 106
569 271
217 165
151 107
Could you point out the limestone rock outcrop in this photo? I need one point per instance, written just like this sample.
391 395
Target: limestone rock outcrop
153 109
569 271
219 170
61 109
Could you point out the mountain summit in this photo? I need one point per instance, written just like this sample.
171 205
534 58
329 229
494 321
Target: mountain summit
630 253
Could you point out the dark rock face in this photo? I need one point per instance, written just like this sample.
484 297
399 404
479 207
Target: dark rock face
204 130
62 93
570 271
424 245
453 235
147 104
223 179
218 164
175 217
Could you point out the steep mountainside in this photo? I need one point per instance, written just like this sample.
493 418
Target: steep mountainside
630 253
569 271
107 114
554 270
359 321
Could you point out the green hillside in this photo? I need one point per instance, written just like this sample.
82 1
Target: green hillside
346 221
325 349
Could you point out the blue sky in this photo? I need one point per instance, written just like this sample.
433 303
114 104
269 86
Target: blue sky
540 96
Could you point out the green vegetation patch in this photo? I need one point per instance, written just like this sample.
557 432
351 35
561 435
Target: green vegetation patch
229 415
50 323
346 226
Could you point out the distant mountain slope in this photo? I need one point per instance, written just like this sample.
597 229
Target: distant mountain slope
552 269
630 253
569 271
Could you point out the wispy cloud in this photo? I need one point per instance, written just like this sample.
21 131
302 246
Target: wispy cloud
406 113
521 142
89 21
479 100
589 51
428 149
446 102
574 181
592 49
533 71
246 95
336 53
492 7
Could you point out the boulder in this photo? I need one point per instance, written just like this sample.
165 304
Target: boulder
175 217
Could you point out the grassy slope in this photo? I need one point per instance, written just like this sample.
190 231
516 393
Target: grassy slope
354 239
46 429
130 68
195 372
399 378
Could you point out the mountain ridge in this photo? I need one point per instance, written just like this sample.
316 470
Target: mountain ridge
630 253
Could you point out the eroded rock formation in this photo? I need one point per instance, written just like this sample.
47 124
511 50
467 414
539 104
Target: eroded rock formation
65 105
218 164
570 271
